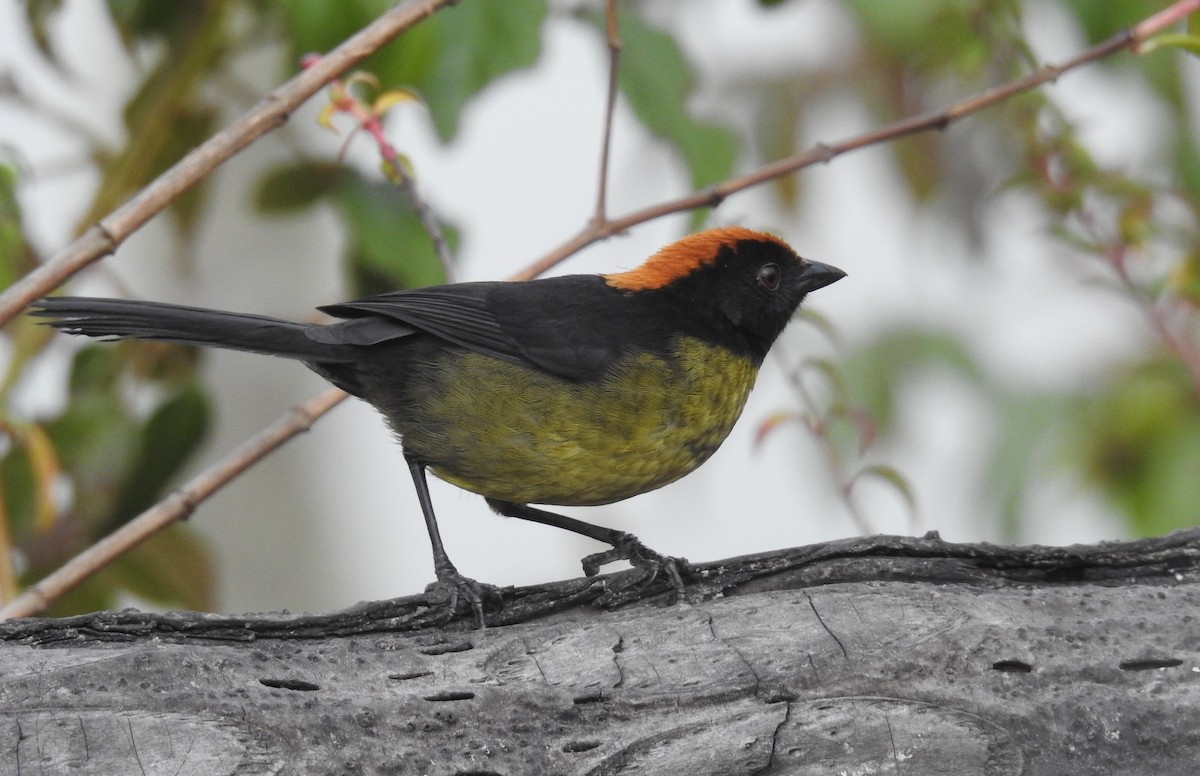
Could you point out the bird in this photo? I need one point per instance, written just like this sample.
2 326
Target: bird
575 390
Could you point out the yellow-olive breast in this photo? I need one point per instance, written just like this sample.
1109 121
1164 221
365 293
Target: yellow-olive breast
515 433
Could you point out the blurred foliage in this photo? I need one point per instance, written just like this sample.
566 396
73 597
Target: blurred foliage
119 458
657 80
134 413
447 59
378 217
1136 435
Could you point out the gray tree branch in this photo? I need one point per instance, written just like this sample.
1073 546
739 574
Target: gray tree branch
879 655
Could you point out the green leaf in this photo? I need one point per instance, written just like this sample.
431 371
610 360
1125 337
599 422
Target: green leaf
657 80
1188 43
39 13
778 124
168 115
875 371
141 20
1140 442
904 28
296 186
95 437
478 43
316 26
1101 19
1187 164
389 247
167 441
447 59
174 567
95 370
896 480
16 258
96 441
94 594
1025 425
18 486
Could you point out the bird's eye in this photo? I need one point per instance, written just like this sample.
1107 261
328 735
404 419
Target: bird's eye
768 276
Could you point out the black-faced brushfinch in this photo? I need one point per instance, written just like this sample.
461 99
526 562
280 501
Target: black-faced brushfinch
574 390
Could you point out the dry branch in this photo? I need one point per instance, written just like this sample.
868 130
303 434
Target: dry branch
887 655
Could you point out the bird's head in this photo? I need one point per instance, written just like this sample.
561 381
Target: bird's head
733 279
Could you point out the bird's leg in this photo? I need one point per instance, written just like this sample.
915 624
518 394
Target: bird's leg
447 574
625 546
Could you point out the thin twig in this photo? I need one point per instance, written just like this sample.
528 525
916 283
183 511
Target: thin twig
369 119
1164 19
819 428
272 111
429 222
712 196
1117 255
175 507
614 55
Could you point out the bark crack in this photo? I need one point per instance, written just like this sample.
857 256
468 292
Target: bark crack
832 635
770 766
892 736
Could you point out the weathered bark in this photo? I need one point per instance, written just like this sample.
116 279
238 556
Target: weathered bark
881 655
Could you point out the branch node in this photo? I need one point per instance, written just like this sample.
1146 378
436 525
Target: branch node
712 196
187 503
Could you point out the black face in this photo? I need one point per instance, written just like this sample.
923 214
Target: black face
758 284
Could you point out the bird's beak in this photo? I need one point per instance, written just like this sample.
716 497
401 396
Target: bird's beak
817 275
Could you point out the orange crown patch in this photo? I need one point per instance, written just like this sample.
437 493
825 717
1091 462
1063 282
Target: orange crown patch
684 257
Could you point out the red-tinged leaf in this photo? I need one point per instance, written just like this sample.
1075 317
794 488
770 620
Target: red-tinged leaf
772 422
865 425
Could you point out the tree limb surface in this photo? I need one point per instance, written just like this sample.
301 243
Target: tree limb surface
883 655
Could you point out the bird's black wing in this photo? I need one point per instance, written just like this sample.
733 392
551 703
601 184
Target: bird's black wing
559 324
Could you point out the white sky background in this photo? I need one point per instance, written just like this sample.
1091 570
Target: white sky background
333 518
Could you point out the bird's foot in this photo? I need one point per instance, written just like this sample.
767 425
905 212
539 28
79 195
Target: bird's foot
650 563
460 588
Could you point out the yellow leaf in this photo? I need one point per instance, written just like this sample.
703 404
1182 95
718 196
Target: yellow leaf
772 422
44 461
391 98
325 116
361 77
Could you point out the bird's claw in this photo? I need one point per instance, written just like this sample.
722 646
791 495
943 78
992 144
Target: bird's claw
459 587
648 562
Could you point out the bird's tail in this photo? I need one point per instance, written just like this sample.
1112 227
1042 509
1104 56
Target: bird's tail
125 319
